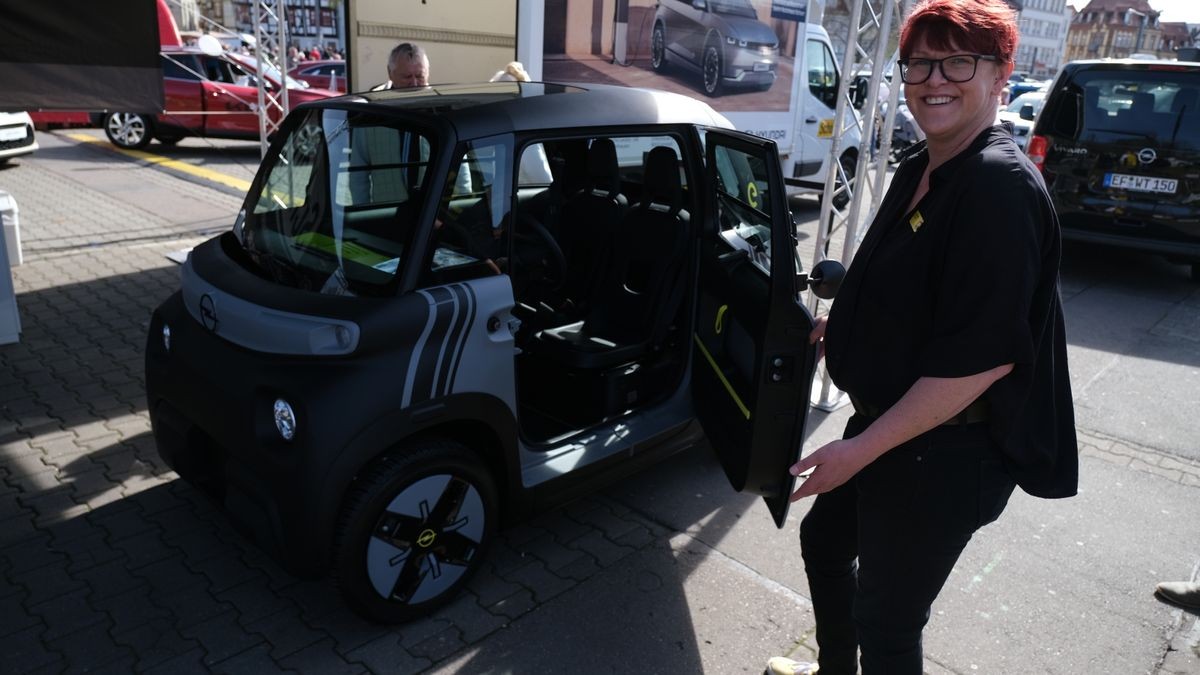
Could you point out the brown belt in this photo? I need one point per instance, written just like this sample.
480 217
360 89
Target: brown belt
972 414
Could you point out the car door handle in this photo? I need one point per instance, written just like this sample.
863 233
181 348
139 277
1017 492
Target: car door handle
810 120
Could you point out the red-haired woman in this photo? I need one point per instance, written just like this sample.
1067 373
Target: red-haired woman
948 336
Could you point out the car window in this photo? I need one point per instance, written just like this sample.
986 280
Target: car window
472 226
180 67
1159 106
822 76
338 202
218 70
743 204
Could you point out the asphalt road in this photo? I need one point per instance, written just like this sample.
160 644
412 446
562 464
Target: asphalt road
1054 586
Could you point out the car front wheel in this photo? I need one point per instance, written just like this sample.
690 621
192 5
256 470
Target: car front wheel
132 131
413 530
712 70
658 49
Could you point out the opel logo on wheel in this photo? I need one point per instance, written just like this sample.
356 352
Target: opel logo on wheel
425 539
208 313
1147 155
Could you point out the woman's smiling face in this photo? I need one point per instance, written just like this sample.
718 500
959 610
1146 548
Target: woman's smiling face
953 113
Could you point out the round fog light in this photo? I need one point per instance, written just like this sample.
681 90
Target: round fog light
166 337
285 419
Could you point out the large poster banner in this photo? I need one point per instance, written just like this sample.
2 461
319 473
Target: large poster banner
80 55
739 56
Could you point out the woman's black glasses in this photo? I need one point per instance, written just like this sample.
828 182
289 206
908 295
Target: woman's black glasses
956 68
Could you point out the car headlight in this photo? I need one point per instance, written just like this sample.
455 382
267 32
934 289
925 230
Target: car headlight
285 419
735 41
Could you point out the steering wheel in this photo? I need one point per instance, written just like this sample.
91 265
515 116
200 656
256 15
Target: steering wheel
536 248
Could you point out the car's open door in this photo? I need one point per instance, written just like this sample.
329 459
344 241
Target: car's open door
752 364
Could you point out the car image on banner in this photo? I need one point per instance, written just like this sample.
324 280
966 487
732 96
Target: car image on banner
721 40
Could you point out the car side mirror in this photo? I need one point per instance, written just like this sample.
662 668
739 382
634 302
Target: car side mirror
858 92
1027 112
700 4
825 279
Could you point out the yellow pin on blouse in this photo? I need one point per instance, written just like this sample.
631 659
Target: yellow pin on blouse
916 221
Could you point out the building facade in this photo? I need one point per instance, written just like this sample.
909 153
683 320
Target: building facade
1114 29
1043 25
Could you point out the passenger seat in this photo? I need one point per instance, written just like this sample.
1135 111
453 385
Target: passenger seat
641 285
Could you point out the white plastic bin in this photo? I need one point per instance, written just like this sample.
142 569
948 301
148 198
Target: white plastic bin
12 228
10 321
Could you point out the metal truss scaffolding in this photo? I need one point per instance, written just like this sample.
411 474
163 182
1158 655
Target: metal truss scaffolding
270 40
866 54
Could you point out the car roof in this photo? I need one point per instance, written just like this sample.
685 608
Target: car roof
485 109
1133 64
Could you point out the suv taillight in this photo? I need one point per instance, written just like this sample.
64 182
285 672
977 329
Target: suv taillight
1038 145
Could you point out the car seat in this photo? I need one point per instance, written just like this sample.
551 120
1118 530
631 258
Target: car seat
640 287
586 223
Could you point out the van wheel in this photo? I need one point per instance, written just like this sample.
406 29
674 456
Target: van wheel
131 131
849 164
711 67
658 49
413 529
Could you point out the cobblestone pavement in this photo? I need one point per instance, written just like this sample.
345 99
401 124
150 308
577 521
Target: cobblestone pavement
111 564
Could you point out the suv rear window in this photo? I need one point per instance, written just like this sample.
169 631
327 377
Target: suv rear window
1162 106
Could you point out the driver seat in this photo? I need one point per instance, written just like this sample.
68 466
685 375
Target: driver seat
640 287
586 224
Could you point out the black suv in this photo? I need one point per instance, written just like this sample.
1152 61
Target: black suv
1119 145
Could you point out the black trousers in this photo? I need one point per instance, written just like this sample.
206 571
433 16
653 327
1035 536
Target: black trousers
878 549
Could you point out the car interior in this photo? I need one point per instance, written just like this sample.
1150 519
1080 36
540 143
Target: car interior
597 248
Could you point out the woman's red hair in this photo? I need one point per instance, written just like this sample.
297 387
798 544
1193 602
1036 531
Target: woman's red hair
986 27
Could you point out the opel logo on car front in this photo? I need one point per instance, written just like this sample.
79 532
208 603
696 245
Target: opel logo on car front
1147 155
208 312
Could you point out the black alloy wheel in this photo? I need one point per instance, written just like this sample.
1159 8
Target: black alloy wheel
711 66
414 529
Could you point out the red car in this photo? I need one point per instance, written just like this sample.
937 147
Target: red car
325 74
204 95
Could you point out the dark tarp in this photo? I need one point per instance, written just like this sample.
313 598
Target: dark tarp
80 55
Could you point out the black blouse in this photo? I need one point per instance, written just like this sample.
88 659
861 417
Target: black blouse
963 283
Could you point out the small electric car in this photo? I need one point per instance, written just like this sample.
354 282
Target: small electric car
441 309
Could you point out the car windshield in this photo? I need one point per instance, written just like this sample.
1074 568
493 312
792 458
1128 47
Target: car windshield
1033 98
1162 106
734 7
338 203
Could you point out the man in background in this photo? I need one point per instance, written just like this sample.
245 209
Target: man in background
407 66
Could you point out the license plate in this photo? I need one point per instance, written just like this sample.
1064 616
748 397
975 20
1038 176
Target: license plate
761 67
1125 181
12 133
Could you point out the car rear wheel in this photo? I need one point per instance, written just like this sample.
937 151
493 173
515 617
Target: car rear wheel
132 131
849 164
658 49
413 530
711 65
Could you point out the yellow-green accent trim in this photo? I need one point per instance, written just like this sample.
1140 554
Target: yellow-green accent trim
719 324
721 376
